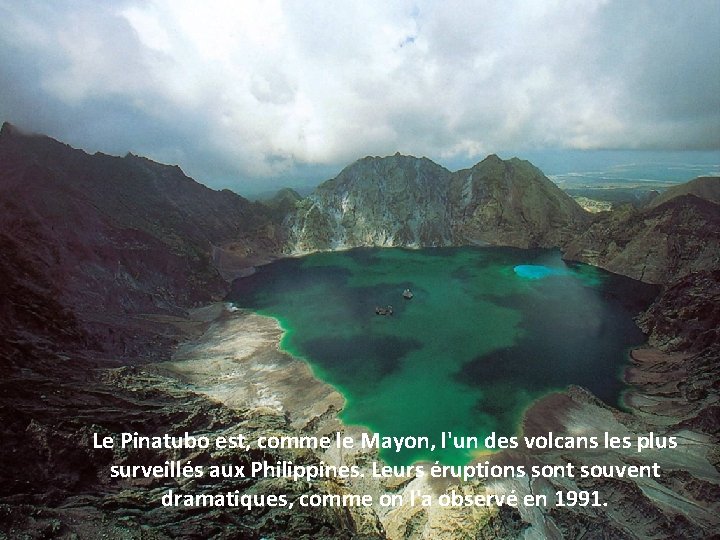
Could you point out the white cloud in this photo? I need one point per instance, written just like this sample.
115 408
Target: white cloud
254 88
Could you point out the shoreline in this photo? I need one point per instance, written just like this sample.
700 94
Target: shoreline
239 341
238 361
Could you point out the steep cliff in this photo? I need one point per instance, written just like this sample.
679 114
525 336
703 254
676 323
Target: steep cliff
511 203
657 244
108 238
408 201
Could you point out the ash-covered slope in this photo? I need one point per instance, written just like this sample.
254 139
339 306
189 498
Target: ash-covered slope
408 201
107 238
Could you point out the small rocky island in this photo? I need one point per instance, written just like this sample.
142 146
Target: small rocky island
387 310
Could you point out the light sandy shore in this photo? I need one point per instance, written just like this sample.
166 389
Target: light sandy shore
237 362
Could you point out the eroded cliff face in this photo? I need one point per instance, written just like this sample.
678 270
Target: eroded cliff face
407 201
393 201
658 244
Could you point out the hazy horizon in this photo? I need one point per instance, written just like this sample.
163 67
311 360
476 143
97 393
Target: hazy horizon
574 167
567 168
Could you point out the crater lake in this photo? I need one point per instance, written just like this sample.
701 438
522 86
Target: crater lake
486 333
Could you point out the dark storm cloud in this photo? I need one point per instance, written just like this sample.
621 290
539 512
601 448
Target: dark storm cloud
665 55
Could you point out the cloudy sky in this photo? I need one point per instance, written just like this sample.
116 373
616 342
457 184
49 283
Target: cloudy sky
242 93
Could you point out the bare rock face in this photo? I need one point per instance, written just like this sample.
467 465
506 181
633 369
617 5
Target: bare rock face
511 203
655 245
408 201
686 316
392 201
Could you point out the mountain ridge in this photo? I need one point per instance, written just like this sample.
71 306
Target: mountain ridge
114 236
407 201
657 244
703 187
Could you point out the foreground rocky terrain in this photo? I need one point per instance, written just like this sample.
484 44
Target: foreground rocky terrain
102 260
111 271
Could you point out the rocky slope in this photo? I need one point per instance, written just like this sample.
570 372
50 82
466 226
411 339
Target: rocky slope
407 201
657 244
704 187
675 242
393 201
686 316
511 203
109 238
103 259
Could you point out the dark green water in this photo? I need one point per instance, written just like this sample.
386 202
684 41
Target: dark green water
488 331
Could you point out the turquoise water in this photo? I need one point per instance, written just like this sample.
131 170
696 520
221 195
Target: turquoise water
488 331
538 271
